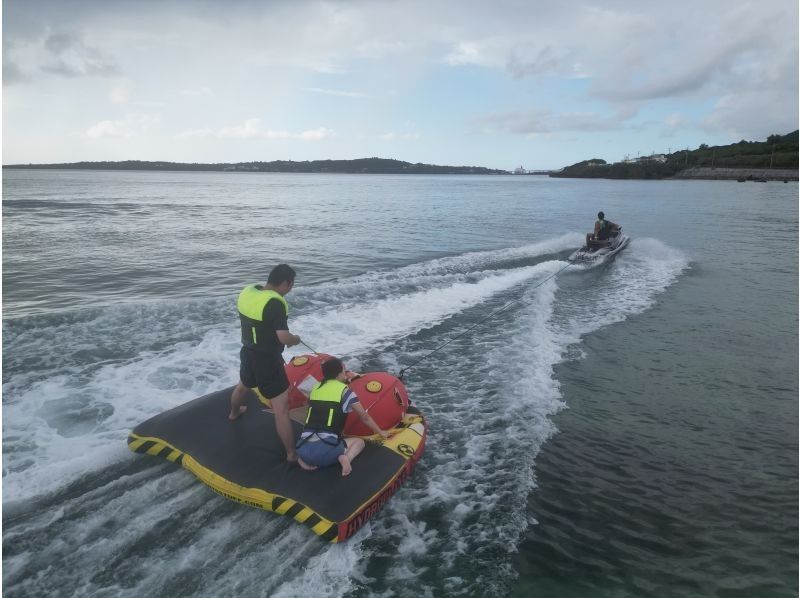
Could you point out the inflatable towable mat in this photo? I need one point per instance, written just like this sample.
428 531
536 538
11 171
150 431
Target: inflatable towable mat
244 460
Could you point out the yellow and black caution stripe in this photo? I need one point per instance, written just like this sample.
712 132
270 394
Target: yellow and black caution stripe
250 496
244 460
155 448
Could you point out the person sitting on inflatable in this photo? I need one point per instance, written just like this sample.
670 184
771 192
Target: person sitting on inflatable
321 443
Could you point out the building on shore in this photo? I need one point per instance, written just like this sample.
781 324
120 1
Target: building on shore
651 158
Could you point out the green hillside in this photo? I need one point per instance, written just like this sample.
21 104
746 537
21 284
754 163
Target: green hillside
360 166
778 151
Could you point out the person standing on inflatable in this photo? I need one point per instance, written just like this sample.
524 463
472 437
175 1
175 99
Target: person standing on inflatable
321 443
264 314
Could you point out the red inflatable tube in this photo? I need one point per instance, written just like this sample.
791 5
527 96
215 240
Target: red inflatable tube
382 395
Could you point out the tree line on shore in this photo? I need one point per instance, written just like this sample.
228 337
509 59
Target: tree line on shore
778 151
358 166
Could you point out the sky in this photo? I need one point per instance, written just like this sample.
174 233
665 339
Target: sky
502 84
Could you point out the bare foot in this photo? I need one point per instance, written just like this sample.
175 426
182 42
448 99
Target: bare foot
232 416
345 463
305 465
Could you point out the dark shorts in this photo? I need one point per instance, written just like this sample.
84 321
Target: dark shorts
263 371
320 453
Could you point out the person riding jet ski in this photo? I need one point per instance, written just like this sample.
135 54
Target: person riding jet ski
603 229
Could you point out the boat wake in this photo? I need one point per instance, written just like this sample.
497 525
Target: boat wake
76 500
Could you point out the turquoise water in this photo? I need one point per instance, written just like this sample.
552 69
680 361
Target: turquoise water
625 430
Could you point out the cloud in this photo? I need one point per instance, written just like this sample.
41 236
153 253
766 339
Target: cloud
316 134
629 52
253 129
70 56
673 123
544 121
659 81
543 60
699 57
754 115
61 53
515 63
196 134
198 92
121 91
335 92
131 125
12 73
468 53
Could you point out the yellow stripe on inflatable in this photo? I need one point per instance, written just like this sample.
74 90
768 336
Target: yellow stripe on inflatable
136 443
322 528
156 448
408 437
253 497
304 514
285 506
406 440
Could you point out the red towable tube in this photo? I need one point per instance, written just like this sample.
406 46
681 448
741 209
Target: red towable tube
382 395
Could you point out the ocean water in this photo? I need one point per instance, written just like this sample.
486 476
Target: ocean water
628 429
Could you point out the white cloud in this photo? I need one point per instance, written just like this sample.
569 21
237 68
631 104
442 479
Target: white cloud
528 68
672 123
253 129
197 92
545 121
131 125
195 134
753 116
335 92
121 90
317 134
467 52
62 53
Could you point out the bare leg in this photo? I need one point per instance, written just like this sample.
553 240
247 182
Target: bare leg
354 448
237 398
283 425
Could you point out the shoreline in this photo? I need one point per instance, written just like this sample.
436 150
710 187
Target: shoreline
735 174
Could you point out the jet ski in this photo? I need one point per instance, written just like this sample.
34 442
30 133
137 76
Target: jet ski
599 250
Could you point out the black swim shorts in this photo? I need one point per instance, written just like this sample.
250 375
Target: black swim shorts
263 371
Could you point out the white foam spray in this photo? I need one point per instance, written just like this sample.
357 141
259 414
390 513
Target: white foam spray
488 403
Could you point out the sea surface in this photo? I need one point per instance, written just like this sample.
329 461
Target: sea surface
629 429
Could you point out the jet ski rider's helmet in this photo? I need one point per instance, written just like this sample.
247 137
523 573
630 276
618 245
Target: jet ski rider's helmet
601 216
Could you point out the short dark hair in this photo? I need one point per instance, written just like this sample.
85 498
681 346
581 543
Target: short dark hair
281 273
332 368
601 216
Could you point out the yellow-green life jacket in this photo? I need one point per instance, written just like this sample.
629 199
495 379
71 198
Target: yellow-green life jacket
325 408
251 303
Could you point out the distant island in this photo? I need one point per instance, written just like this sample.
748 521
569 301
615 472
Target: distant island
774 159
358 166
